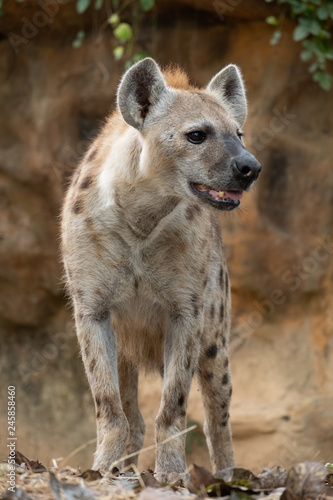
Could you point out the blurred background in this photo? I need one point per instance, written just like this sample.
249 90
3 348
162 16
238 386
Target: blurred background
60 64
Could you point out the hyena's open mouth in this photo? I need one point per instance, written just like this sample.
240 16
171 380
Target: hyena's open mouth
222 200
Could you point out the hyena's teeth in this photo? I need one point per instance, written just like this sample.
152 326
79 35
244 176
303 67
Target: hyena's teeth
221 194
203 187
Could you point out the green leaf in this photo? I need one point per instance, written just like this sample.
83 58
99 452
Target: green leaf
306 55
322 13
115 4
82 5
118 52
146 4
123 32
114 20
324 79
272 20
300 32
80 35
98 4
315 27
313 67
275 38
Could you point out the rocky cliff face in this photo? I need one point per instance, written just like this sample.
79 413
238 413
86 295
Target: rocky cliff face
279 247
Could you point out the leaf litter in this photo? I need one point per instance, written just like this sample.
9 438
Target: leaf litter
304 481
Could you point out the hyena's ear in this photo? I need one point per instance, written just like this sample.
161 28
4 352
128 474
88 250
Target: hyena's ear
140 89
228 86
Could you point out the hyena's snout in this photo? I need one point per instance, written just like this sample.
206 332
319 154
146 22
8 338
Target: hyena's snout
245 169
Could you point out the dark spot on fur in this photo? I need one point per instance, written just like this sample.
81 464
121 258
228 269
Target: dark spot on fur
136 284
199 333
221 277
225 379
192 211
211 351
230 392
209 376
85 183
205 281
91 154
98 414
212 311
224 424
79 294
92 365
221 313
181 400
223 406
224 342
77 207
226 363
188 362
183 413
194 300
98 401
226 283
101 314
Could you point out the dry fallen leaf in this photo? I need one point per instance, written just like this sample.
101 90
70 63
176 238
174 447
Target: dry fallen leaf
270 479
149 479
305 481
32 465
91 475
199 476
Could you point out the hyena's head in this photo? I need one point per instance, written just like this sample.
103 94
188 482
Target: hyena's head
191 139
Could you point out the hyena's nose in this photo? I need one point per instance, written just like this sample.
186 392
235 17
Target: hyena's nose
246 167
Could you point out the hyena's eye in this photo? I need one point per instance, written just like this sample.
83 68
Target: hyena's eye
240 133
196 137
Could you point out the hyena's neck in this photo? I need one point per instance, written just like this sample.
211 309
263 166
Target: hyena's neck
133 191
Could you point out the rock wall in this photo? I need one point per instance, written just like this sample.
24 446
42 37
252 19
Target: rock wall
53 99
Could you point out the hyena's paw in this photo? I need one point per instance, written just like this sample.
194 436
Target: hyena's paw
172 477
110 450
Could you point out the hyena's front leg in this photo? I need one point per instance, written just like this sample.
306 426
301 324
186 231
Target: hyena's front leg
181 359
99 353
215 383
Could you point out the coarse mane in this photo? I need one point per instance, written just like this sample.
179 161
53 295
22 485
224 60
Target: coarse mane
176 78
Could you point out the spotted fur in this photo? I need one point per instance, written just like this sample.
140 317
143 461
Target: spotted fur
144 261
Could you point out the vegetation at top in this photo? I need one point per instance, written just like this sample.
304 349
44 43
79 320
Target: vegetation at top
314 21
124 32
313 18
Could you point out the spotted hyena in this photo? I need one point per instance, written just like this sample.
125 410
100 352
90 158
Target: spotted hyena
144 260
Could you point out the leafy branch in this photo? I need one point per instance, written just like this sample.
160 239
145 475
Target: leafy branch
314 29
122 30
